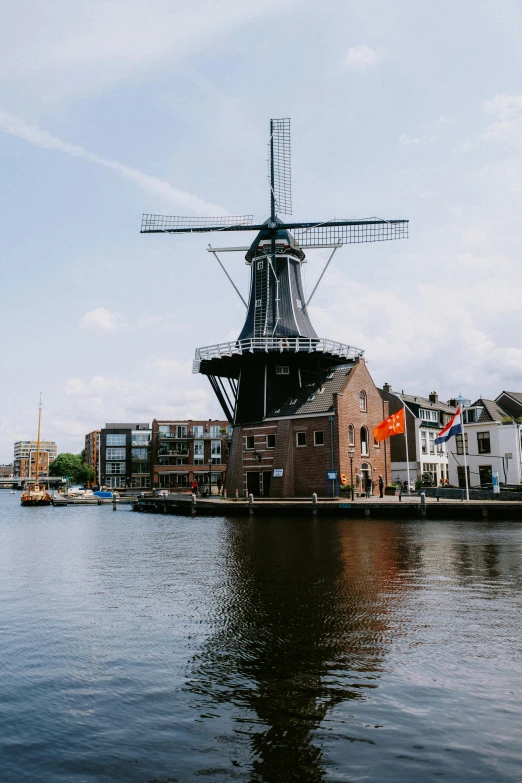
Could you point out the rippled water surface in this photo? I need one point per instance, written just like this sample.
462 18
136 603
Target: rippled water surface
144 648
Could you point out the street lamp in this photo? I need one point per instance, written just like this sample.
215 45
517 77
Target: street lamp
351 454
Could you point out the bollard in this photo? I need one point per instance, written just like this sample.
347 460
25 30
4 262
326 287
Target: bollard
423 498
224 494
114 504
314 504
250 504
237 494
193 505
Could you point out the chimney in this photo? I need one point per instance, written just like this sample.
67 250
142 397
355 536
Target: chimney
434 398
387 388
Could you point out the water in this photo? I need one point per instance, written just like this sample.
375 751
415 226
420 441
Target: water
145 648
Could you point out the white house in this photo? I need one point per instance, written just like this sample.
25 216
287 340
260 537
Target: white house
493 443
425 417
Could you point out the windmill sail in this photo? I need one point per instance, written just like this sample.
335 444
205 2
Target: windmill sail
280 165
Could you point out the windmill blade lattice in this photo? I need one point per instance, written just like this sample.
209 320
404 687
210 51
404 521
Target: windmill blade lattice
347 232
153 224
280 165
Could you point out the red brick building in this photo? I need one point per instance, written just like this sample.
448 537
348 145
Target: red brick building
290 452
187 451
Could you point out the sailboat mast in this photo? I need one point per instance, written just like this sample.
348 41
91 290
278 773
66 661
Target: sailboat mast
38 440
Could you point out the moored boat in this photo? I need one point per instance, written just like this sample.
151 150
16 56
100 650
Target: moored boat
36 494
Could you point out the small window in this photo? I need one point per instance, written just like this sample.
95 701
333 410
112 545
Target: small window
282 370
364 442
351 435
484 443
299 303
301 438
458 444
362 401
250 441
258 302
319 438
270 441
259 264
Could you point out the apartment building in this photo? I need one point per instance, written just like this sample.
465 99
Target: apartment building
92 451
24 462
189 450
125 455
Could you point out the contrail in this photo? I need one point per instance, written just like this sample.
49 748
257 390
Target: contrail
13 125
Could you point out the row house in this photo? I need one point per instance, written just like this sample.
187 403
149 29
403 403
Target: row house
492 444
188 451
325 430
425 417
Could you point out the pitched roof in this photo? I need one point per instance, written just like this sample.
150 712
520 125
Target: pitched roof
314 397
515 395
424 402
491 410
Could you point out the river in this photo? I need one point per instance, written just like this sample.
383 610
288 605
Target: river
142 647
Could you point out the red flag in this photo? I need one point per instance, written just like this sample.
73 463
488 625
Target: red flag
393 425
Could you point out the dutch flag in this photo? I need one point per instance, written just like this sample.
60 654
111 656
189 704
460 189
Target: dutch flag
453 427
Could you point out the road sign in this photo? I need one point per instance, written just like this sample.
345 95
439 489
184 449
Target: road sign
331 475
278 472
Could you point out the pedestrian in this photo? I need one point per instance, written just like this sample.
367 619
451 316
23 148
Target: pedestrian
369 485
381 486
218 482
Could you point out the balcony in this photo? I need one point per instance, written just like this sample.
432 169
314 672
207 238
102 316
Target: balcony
191 436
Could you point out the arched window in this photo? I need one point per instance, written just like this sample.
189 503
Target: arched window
364 442
362 401
351 435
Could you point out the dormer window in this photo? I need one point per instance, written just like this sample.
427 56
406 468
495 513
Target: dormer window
429 415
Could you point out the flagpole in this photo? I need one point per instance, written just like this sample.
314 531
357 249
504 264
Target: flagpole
407 455
461 399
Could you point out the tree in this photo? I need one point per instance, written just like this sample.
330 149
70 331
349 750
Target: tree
72 466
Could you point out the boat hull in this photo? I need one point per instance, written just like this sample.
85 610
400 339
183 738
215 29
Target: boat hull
31 502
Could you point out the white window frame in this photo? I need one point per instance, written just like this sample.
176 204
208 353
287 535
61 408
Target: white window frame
282 369
116 453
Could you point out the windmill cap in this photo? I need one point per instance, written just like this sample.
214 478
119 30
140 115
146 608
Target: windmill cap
283 235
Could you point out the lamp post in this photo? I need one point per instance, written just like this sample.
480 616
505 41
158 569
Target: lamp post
351 454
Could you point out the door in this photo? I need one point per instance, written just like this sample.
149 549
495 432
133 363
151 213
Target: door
253 483
267 475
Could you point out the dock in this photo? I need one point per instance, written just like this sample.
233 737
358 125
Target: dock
414 507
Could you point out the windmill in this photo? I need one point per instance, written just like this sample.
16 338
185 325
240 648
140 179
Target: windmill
277 352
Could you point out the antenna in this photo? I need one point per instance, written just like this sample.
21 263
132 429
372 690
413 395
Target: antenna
280 167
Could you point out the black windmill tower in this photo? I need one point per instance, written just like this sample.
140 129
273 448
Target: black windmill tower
278 354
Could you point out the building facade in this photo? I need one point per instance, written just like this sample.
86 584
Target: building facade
24 462
492 440
125 455
307 438
425 417
92 451
189 451
6 471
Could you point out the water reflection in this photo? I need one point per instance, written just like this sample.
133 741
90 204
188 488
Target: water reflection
304 622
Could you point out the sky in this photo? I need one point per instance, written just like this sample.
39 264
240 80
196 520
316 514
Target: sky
109 109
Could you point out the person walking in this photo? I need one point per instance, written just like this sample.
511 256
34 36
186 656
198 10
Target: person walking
368 486
380 482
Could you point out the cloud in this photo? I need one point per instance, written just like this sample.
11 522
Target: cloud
102 320
156 187
503 106
508 109
362 58
66 46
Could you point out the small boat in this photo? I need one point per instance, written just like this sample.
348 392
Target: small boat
36 494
